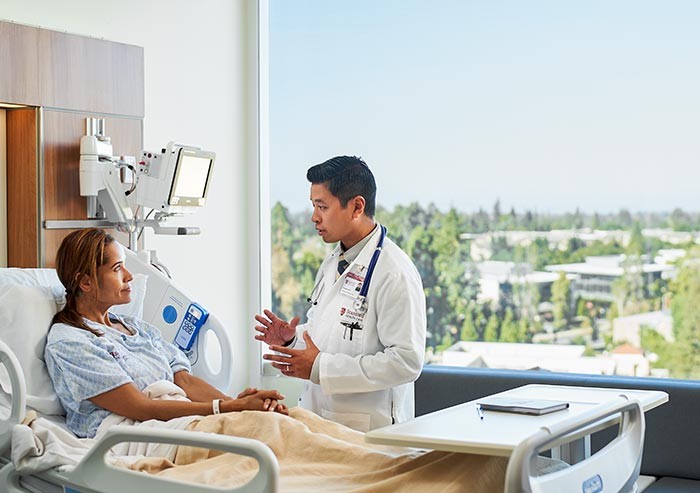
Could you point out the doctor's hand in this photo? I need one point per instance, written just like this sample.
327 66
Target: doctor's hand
295 362
275 331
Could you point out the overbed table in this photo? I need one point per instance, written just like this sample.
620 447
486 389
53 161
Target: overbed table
460 428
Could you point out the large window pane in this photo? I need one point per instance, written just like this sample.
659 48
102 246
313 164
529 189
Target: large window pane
537 160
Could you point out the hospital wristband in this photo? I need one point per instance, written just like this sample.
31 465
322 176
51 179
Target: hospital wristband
215 406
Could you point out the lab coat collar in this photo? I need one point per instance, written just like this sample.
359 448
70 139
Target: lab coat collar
370 239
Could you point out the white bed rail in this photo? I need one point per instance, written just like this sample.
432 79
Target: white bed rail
613 468
93 472
19 396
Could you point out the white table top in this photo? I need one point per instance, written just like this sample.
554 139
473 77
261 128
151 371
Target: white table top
459 428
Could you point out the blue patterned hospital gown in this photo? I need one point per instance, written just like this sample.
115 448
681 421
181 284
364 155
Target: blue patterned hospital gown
83 365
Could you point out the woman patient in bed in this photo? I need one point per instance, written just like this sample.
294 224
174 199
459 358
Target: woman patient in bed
100 362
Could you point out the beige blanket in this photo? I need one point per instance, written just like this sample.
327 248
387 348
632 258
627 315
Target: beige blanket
318 455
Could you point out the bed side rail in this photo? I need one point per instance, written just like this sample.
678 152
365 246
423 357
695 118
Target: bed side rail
615 467
19 396
94 473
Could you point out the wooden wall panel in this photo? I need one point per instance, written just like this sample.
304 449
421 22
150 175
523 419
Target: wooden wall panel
66 71
71 77
22 188
61 145
19 71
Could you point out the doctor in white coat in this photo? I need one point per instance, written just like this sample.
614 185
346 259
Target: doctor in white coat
364 342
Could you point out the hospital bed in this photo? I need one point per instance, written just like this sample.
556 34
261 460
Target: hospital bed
28 299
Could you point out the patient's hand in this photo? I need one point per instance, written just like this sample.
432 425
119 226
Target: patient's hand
247 391
273 330
256 400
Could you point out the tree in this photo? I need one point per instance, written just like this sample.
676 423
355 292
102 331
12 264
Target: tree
496 218
685 311
636 246
446 342
628 289
491 330
509 328
469 332
561 296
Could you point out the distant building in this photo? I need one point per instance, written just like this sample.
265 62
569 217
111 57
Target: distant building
630 361
668 256
522 356
595 276
497 280
628 329
624 360
482 243
671 236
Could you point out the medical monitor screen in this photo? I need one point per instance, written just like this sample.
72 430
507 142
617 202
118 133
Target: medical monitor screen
191 180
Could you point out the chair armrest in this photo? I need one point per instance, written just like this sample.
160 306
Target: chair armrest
19 395
94 472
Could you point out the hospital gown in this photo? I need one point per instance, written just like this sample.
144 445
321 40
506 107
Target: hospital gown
83 365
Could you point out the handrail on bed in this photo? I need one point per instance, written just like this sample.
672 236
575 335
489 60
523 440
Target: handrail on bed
618 474
19 396
94 472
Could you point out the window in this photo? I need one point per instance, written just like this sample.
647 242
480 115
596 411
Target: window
537 160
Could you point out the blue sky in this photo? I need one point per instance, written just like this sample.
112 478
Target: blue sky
545 105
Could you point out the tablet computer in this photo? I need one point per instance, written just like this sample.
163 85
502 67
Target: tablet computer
521 406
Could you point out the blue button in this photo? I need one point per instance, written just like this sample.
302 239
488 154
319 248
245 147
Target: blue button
169 314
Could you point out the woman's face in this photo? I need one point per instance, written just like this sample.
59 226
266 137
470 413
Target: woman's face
113 278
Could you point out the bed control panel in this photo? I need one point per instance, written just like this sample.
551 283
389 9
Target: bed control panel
195 317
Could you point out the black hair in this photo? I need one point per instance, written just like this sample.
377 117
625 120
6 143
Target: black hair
346 177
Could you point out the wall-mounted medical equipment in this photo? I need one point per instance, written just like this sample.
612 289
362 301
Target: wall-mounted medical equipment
171 182
175 180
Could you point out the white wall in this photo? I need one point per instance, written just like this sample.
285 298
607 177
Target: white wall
3 191
198 90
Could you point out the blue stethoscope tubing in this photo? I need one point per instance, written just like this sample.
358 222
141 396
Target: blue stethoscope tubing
360 303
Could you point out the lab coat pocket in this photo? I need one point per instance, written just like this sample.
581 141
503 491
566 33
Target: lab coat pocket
356 421
352 335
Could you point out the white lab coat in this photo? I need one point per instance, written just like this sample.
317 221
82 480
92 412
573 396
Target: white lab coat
367 382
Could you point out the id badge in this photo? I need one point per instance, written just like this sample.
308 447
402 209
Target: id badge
352 284
351 320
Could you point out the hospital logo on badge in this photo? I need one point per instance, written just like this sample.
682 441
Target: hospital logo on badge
342 311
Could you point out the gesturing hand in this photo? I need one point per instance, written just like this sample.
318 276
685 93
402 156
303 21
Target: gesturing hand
295 362
275 331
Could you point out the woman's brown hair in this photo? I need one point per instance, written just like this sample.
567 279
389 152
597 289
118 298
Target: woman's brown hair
80 254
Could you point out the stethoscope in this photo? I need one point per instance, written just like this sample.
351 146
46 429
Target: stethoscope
360 303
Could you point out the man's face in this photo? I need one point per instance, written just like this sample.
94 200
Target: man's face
333 221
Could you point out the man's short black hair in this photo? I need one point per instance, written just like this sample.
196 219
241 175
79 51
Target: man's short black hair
346 177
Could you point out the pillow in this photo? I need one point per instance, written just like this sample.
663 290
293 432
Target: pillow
29 298
25 318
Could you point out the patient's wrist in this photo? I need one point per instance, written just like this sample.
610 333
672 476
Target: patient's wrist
230 406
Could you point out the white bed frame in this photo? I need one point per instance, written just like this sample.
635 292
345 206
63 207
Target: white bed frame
94 475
